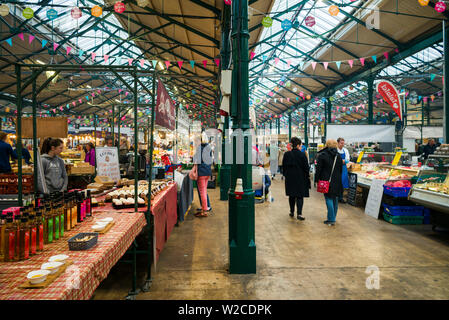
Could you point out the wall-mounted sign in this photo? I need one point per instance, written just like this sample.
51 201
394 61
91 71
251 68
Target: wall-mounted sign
76 13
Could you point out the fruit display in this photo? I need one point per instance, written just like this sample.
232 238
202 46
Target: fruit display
125 196
433 186
399 183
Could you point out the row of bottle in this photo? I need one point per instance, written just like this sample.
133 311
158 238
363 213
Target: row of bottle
26 233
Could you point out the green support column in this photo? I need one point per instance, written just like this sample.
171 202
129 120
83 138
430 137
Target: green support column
278 125
95 139
428 112
370 84
113 125
325 120
422 117
36 191
19 133
271 127
136 144
446 84
242 246
329 110
306 128
119 121
225 170
289 126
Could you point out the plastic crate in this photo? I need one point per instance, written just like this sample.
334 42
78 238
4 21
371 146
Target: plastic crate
85 245
403 210
426 216
397 192
403 219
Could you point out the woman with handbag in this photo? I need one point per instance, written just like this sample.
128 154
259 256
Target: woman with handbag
328 177
202 171
297 181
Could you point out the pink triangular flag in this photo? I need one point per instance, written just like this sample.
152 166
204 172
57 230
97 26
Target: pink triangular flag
106 57
180 64
68 49
119 90
325 64
142 62
276 60
93 94
386 55
30 38
130 61
55 46
81 101
99 91
289 62
351 62
252 55
313 65
288 99
74 103
20 35
167 64
362 61
217 62
375 103
126 93
93 56
205 63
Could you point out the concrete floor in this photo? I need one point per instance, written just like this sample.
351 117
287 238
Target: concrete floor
296 259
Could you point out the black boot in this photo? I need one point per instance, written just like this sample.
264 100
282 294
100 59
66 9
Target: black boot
300 217
291 214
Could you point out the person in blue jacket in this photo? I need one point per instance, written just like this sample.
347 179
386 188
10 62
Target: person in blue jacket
6 152
25 154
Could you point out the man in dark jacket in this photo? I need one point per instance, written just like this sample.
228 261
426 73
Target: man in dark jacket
326 170
429 148
6 152
297 181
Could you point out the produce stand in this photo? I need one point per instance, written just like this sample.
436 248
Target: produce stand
89 267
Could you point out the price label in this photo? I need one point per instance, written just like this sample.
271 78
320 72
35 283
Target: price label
396 158
360 156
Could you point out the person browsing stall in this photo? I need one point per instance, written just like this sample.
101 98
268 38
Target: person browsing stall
6 152
53 166
90 154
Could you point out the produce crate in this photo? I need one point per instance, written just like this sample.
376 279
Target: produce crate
426 216
403 219
9 183
397 192
403 210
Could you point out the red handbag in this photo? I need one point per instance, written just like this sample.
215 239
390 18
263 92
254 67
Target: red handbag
323 185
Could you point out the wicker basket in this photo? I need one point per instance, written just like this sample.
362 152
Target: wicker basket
82 245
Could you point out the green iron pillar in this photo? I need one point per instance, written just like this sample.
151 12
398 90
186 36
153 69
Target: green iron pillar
325 120
370 84
225 51
289 126
119 121
19 133
422 117
113 125
446 84
278 125
242 246
271 127
36 191
306 128
329 110
136 146
428 112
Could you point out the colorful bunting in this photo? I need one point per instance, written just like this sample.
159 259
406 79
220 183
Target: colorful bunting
9 41
180 64
55 46
338 63
217 62
325 64
205 63
154 62
30 38
20 35
313 65
167 64
374 59
362 61
142 62
80 53
106 57
93 55
67 50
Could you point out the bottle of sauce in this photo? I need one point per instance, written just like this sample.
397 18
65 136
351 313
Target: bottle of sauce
48 226
56 223
80 207
67 213
2 234
89 204
39 230
17 222
73 209
24 239
9 245
33 234
61 218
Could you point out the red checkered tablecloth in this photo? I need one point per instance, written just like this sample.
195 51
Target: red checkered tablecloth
89 267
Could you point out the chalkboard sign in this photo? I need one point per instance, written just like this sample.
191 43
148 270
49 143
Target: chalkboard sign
352 191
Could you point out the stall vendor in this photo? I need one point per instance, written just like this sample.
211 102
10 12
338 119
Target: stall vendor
344 153
90 154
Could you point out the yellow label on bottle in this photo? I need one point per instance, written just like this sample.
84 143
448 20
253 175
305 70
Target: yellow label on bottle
360 156
396 158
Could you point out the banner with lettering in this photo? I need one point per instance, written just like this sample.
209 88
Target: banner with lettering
388 91
165 109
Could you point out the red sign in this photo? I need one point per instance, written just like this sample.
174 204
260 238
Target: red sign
165 109
388 91
119 7
76 13
310 21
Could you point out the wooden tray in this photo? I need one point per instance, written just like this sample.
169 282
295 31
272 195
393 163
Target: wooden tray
109 226
50 278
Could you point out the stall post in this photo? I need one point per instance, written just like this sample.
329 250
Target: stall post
19 133
136 144
1 123
119 122
36 191
113 125
325 120
370 84
95 130
306 127
428 112
289 127
446 84
329 110
225 170
278 125
242 245
422 117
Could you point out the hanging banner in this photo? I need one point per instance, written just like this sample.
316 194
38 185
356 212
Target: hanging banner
388 91
165 109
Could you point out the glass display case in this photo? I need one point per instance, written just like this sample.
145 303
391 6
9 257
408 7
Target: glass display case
432 184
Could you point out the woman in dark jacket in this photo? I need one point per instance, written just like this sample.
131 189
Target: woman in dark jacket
324 163
297 181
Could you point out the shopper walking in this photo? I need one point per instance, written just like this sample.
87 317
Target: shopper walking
297 181
90 154
6 152
344 154
203 160
282 151
328 168
53 166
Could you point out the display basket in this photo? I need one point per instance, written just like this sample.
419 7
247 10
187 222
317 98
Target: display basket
403 210
403 219
397 192
82 245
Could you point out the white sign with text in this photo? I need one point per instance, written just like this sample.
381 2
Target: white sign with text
375 194
107 162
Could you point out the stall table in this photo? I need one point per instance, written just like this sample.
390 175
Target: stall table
89 267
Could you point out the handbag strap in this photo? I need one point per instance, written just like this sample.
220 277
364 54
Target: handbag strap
333 168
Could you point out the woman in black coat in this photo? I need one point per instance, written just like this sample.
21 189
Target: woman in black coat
324 163
297 181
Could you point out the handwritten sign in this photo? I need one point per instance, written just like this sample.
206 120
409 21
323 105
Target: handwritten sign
375 194
396 158
352 191
360 156
107 162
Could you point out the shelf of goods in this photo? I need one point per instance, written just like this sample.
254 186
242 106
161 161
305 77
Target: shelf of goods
432 185
75 164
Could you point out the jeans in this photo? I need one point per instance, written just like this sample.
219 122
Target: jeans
332 207
202 187
299 203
